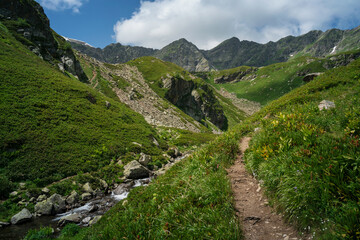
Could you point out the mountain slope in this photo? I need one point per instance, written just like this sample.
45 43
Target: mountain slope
185 54
268 83
28 23
53 126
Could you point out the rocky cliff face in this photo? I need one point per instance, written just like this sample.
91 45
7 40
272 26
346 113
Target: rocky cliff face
29 24
198 101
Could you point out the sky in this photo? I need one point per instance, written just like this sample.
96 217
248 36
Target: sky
206 23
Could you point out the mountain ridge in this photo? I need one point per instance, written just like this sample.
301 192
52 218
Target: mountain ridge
232 52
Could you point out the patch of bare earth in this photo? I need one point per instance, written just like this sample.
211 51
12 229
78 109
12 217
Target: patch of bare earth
258 220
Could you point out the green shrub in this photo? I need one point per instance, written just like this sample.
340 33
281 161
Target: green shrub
44 233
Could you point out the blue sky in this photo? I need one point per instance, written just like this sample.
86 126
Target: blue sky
206 23
93 22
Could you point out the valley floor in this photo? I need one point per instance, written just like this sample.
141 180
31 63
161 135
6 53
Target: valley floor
258 220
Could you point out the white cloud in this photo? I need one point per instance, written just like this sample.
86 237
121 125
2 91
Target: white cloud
60 5
208 22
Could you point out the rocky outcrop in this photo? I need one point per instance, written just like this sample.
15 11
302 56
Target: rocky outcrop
198 101
35 32
134 170
144 159
309 77
325 104
236 76
23 216
52 205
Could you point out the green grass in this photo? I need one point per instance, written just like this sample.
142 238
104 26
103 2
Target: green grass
309 159
53 126
272 81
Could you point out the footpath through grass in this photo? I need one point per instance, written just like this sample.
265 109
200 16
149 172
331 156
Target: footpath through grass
309 159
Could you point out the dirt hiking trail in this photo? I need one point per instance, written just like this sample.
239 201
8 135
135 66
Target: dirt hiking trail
258 220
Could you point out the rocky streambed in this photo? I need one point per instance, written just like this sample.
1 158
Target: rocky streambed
56 211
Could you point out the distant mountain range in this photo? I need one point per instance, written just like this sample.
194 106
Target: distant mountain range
232 52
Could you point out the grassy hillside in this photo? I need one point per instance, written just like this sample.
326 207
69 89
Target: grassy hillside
270 82
53 126
309 159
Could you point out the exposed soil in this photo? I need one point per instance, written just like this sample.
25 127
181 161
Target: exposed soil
258 220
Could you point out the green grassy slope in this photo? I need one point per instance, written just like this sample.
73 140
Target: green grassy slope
309 159
53 126
270 82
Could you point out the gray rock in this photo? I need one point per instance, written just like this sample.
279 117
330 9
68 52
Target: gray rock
94 220
72 198
45 190
122 188
107 104
22 185
3 224
134 170
86 196
325 104
144 159
23 216
87 188
86 220
13 194
44 208
41 198
309 77
73 218
104 185
58 202
52 205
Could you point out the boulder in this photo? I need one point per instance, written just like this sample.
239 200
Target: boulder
86 220
41 198
72 198
144 159
73 218
23 216
22 185
52 205
104 185
325 104
134 170
94 220
44 208
45 190
87 188
13 194
58 202
124 187
3 224
86 196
